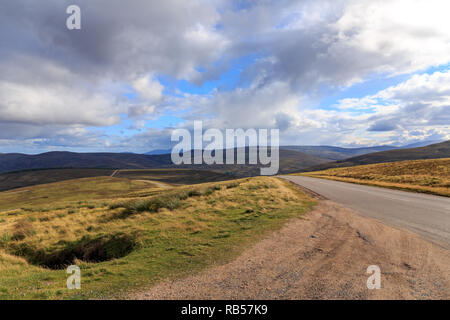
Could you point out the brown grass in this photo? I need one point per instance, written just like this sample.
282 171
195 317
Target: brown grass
427 176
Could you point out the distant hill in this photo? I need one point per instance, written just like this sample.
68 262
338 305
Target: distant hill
290 161
159 151
15 161
434 151
336 153
421 144
25 178
19 179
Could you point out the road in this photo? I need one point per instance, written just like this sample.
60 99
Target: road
424 214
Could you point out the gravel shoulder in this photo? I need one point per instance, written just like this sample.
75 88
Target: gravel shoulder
323 256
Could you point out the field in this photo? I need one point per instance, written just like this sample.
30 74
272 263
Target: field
127 234
427 176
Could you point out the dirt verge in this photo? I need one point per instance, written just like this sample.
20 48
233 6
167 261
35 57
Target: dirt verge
324 256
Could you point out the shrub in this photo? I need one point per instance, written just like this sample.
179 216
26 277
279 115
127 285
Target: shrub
22 229
4 240
194 193
153 204
116 205
14 213
169 201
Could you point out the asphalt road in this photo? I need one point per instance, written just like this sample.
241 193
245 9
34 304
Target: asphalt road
424 214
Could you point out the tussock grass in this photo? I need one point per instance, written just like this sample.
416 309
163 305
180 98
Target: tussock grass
22 229
170 201
165 233
427 176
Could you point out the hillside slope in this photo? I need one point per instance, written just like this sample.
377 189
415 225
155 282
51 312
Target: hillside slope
125 235
434 151
336 153
290 161
19 179
15 161
427 176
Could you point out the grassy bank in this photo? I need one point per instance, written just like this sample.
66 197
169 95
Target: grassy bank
427 176
136 239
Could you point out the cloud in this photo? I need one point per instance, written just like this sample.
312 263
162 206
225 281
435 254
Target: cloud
341 42
148 89
425 87
419 104
383 125
68 87
42 104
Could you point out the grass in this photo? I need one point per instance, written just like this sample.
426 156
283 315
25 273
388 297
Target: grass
131 240
426 176
47 196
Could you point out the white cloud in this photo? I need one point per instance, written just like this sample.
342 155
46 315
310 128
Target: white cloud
56 104
68 82
397 36
421 88
417 107
148 89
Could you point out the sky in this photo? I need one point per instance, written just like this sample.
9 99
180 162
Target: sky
343 72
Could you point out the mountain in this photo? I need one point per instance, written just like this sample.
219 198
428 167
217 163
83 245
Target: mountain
336 153
159 151
421 144
19 179
290 161
16 161
434 151
324 152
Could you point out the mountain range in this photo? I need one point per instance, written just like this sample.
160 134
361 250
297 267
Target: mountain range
434 151
292 159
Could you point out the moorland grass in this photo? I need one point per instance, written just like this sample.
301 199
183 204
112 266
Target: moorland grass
426 176
132 240
52 196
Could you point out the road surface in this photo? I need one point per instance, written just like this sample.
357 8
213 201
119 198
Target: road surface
424 214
